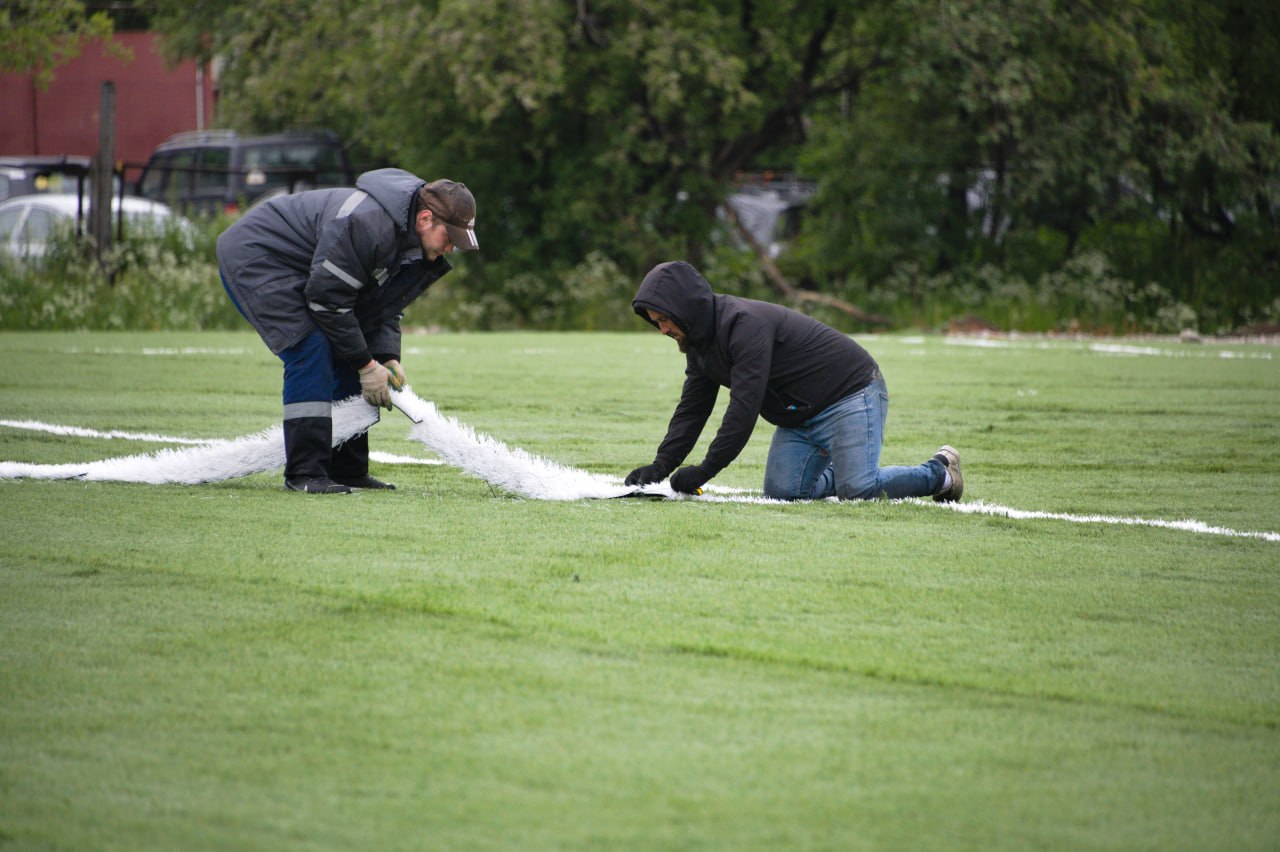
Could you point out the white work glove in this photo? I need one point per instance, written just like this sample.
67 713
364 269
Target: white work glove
373 384
397 379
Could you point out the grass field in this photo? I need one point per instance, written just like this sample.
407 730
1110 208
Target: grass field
449 667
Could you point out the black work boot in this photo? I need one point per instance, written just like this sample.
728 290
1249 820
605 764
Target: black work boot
306 456
315 485
350 464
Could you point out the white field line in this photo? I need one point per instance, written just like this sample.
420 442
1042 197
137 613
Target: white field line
732 495
1121 349
510 469
980 508
207 462
391 458
165 351
81 432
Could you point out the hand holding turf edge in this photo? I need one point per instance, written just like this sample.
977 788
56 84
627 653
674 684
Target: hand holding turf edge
397 378
373 384
646 475
689 480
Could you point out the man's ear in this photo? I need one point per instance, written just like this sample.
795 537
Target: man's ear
423 219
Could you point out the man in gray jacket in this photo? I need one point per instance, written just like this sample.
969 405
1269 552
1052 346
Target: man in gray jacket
821 389
324 277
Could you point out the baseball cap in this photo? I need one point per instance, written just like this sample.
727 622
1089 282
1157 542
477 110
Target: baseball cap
455 206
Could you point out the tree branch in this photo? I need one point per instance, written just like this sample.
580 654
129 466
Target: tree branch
793 293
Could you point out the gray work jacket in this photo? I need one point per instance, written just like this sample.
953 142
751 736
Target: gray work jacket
346 261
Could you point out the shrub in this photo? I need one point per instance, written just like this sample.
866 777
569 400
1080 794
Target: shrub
162 280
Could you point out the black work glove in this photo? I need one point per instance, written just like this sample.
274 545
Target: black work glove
655 472
689 480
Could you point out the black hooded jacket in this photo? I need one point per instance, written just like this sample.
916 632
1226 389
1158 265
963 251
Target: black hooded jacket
777 363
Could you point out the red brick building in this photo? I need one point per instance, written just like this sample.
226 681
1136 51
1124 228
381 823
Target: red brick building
153 101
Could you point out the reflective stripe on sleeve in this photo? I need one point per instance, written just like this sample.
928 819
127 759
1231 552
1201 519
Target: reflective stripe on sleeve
342 275
352 202
325 309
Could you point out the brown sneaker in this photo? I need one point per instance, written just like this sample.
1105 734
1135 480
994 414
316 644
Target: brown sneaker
951 460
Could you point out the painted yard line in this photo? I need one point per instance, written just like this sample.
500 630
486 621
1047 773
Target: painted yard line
390 458
156 350
509 468
80 432
249 454
1189 525
1122 349
738 495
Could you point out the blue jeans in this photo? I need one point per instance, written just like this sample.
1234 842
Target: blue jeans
838 453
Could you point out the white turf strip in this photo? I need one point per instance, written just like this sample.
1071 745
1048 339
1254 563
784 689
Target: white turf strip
80 432
208 462
511 469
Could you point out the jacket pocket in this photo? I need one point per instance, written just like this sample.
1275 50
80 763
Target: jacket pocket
786 406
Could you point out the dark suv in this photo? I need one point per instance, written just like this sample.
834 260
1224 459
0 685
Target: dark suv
219 171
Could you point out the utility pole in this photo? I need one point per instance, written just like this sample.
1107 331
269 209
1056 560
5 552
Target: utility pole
100 205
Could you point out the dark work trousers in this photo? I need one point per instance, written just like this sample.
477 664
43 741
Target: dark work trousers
313 380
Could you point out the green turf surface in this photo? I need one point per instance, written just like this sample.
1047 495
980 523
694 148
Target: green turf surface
446 667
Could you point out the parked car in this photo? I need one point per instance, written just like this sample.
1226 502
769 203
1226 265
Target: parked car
28 223
25 175
219 171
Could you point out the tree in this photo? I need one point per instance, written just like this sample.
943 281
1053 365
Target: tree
944 134
36 36
1014 134
600 125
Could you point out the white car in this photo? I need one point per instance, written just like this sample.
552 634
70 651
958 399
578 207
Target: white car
29 222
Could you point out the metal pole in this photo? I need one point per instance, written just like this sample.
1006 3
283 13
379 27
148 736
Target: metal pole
199 95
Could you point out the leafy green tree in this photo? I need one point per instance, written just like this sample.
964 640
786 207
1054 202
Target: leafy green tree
946 136
36 36
600 125
1017 134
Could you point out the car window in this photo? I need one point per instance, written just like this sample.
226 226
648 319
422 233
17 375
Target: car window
183 176
214 163
155 177
9 222
40 223
285 163
170 176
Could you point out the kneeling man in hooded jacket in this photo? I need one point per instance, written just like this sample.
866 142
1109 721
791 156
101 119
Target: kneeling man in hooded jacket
324 277
822 391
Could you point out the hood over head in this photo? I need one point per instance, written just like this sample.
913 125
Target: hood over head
679 291
394 189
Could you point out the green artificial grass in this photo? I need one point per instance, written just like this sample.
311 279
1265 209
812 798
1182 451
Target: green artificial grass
448 667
